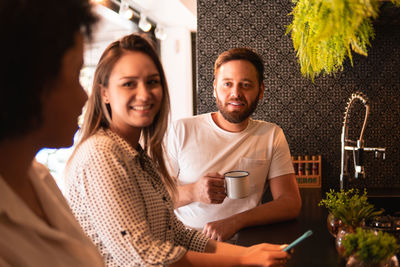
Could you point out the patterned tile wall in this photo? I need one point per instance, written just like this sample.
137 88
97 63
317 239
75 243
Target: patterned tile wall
311 114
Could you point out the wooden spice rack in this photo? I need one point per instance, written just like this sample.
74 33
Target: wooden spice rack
307 170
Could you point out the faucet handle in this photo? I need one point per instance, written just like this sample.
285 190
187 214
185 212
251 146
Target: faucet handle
379 152
358 155
359 172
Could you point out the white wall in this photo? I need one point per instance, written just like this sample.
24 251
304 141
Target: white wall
176 55
111 27
178 17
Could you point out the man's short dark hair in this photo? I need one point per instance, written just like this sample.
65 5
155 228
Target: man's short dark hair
241 53
34 37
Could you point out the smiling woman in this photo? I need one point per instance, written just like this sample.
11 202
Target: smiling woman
120 87
134 93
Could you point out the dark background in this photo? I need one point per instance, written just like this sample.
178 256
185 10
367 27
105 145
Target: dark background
311 114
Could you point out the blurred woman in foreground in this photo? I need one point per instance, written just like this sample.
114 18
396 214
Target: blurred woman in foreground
41 99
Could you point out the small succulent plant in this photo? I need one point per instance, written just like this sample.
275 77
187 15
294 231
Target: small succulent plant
370 246
349 206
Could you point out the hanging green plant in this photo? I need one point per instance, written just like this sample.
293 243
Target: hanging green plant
325 31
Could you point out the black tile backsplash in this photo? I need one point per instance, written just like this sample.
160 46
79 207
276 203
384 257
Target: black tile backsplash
311 114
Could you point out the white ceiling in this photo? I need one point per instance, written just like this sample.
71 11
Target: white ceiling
169 13
110 27
180 13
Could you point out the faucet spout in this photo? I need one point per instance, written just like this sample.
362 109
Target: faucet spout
363 98
349 145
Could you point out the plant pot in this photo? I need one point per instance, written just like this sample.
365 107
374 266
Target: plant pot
390 262
333 224
343 231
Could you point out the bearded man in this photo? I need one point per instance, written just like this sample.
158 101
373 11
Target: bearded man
202 148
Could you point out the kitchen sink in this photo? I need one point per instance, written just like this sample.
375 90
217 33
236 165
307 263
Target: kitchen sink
389 221
390 202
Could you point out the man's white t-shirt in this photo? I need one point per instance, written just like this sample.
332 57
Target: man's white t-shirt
196 146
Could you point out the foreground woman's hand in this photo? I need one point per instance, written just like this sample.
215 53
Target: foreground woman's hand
267 255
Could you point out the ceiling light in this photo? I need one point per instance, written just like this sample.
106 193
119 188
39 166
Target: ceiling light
160 33
125 11
144 24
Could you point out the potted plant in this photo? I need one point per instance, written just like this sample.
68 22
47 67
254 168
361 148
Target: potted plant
348 210
324 32
370 248
332 201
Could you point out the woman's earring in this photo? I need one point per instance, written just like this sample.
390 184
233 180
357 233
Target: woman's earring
104 95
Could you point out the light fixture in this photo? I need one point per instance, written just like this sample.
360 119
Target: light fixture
124 10
160 33
144 24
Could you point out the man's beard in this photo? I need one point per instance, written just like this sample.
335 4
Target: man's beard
236 116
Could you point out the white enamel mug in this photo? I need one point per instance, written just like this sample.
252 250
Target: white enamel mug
237 184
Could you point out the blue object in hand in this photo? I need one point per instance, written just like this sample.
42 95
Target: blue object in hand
298 240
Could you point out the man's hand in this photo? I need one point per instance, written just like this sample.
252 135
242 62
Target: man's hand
221 230
210 189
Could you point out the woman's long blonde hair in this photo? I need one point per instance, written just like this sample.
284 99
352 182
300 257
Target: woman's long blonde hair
98 114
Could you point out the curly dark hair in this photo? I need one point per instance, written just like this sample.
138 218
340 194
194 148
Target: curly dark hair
34 37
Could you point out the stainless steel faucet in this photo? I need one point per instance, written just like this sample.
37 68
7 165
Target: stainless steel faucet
357 147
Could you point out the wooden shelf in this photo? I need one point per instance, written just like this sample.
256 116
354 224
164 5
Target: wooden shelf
307 171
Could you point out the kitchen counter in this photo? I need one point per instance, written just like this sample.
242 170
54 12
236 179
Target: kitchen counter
318 250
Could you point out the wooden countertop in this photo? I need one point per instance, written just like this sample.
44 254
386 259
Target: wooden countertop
318 250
